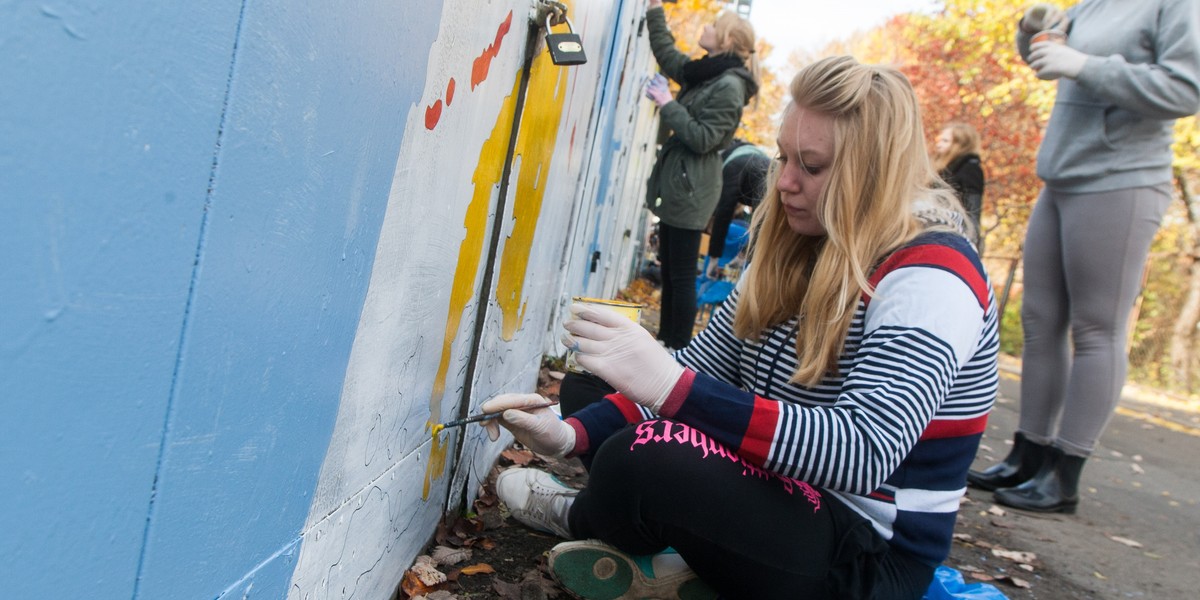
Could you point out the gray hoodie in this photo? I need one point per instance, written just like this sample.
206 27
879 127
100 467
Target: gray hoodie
1112 127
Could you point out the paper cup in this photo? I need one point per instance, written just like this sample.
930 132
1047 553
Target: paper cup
1049 35
630 310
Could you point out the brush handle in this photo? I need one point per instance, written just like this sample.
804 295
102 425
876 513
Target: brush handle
488 416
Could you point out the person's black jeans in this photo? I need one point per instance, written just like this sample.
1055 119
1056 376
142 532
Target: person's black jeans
678 251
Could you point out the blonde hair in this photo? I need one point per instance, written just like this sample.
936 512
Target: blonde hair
877 198
963 140
736 35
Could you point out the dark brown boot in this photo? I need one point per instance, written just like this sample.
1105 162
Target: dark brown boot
1055 488
1021 464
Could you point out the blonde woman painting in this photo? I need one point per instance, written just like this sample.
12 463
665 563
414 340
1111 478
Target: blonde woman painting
814 440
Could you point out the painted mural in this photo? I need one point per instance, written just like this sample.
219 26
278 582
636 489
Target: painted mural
267 246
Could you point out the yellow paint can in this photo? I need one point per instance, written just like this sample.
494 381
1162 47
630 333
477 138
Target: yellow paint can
629 309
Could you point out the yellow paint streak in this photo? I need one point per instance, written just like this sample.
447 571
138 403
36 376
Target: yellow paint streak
488 170
1159 421
535 145
437 464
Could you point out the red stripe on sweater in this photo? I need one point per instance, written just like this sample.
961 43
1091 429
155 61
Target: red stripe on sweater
947 428
935 255
756 442
628 408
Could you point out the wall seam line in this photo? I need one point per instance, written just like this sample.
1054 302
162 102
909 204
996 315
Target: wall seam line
185 324
489 271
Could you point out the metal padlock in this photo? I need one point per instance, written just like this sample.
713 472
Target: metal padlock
565 48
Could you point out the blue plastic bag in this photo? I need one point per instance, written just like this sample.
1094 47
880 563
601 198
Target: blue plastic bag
948 585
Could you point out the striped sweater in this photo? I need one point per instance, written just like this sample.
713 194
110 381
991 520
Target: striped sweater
893 433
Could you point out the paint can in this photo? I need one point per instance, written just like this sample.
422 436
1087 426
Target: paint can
629 309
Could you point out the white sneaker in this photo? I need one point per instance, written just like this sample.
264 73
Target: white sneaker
537 499
593 569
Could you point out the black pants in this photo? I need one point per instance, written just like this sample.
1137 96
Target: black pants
579 390
678 251
745 532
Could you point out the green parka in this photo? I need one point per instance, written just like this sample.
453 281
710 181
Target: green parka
685 183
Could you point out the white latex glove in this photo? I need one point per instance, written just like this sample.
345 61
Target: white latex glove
1051 61
657 90
622 353
1043 16
539 429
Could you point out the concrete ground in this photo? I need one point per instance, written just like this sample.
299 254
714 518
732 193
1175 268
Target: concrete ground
1137 531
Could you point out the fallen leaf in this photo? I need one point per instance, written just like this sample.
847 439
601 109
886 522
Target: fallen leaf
517 457
1097 575
1015 555
425 570
1026 567
996 510
412 585
445 555
963 537
1021 583
478 568
506 590
1137 468
1126 541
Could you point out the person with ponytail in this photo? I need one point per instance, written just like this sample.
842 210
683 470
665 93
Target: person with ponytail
685 183
813 441
956 159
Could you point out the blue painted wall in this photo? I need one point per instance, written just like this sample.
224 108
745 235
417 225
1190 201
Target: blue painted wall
193 198
193 195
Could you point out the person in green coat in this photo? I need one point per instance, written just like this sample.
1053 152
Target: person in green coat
685 183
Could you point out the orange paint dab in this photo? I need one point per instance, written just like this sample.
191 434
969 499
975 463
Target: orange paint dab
479 69
450 92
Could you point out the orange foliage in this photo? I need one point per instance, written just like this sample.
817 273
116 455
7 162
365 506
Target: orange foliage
687 19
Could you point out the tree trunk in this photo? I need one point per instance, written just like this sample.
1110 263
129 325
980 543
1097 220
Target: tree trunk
1184 336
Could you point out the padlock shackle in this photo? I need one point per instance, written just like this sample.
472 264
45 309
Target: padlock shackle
566 19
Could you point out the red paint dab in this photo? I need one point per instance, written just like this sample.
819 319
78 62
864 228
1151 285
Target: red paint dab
450 92
432 114
479 69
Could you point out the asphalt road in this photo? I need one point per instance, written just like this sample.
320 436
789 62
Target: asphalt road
1137 530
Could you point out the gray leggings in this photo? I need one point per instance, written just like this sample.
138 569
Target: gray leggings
1084 255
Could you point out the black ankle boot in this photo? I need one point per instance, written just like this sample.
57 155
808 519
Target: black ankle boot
1021 464
1055 488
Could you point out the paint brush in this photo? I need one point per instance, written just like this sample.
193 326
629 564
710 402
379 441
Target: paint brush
481 417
